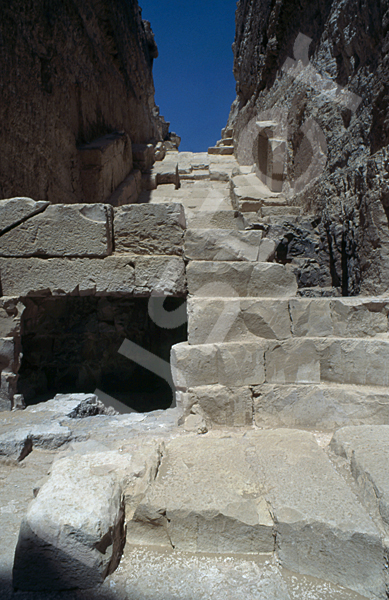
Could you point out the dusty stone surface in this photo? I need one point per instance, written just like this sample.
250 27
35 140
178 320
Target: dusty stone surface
150 229
114 91
222 245
114 275
242 279
15 210
11 310
73 231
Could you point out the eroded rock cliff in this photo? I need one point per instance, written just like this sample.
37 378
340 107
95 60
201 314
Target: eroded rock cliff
70 71
331 90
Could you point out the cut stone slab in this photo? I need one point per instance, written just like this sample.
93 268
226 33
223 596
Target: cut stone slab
143 156
222 150
240 279
14 211
223 245
128 191
229 364
237 319
221 219
73 534
322 407
220 406
360 317
150 229
166 171
367 449
196 506
115 275
71 230
292 361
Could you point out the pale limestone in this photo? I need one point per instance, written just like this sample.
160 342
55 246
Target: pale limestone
367 449
322 406
221 406
243 279
75 230
14 211
193 365
150 229
196 506
292 361
160 274
223 245
221 219
128 191
360 317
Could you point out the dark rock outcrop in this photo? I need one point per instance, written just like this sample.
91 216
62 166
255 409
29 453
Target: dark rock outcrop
70 72
342 84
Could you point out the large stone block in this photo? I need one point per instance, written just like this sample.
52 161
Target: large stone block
75 230
360 317
323 407
105 163
11 311
220 219
207 279
14 211
150 229
8 355
311 317
113 275
237 319
128 191
223 245
292 361
161 275
220 405
193 365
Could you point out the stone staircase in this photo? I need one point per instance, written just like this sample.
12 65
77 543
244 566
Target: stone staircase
274 485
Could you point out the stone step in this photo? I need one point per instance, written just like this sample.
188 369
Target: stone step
227 132
221 150
224 245
225 141
247 319
280 211
209 279
219 219
249 193
262 491
321 407
291 361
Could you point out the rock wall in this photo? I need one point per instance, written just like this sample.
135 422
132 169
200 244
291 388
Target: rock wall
330 91
70 72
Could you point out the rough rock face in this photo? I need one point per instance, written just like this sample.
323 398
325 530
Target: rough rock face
71 73
330 90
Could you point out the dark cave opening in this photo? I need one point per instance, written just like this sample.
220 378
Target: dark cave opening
70 345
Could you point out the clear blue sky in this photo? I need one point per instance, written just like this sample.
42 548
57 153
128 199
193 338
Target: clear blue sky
194 84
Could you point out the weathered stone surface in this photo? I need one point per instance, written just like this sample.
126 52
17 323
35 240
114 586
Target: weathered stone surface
198 507
150 229
73 533
222 150
143 156
166 171
160 274
11 310
226 364
292 361
40 277
221 219
62 230
15 210
311 318
367 449
221 406
237 319
128 191
108 88
324 407
222 245
105 163
242 279
360 317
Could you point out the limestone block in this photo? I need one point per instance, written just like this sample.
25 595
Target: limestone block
19 443
8 355
201 507
160 275
322 529
220 219
324 407
367 449
8 382
143 156
240 278
237 319
104 163
200 160
311 318
150 229
360 362
359 317
73 533
167 171
221 171
73 230
194 365
292 361
14 211
11 311
216 244
240 364
128 191
114 275
221 406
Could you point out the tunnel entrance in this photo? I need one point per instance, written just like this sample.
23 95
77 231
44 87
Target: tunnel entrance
70 345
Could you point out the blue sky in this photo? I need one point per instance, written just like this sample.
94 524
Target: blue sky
194 84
